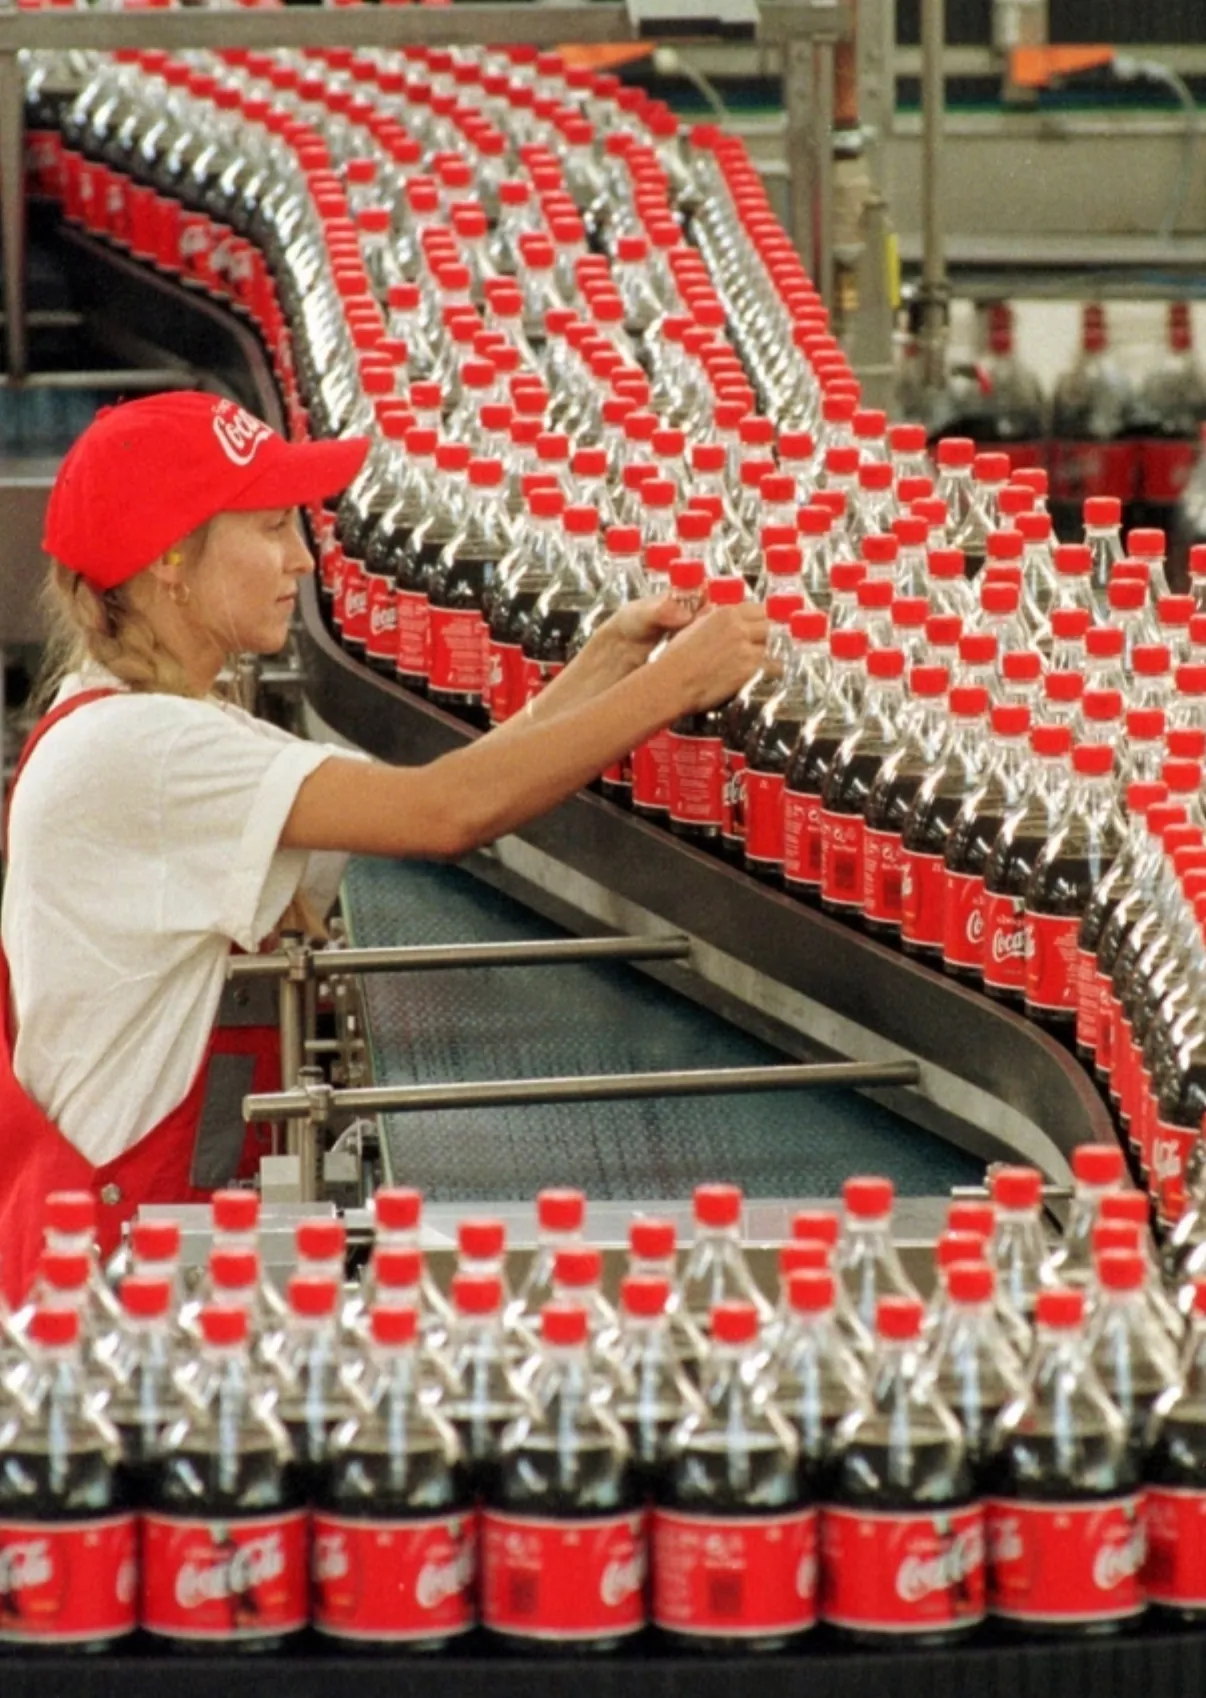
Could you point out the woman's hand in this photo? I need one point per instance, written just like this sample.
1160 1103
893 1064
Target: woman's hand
717 653
634 630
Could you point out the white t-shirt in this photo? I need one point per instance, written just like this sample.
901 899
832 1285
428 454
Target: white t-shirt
142 842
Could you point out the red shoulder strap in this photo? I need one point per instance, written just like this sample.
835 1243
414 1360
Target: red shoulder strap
48 720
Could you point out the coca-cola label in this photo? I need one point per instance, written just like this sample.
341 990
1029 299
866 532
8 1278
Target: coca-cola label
963 921
504 681
912 1572
168 215
802 838
842 859
1065 1562
763 800
381 635
563 1580
1164 467
923 899
538 675
393 1580
883 876
1104 1042
354 603
733 1576
195 241
696 780
1174 1573
734 824
1169 1150
140 199
1088 999
456 651
1004 942
1078 469
651 772
1052 962
414 634
44 161
244 1579
68 1582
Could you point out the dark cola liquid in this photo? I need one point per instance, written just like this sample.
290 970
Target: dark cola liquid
768 748
891 797
741 717
1007 873
1115 932
807 772
356 522
1144 988
390 555
460 583
370 1485
551 631
927 831
847 792
927 1477
967 851
716 1475
1176 1458
198 1484
1103 904
1062 888
1124 985
88 1486
538 1479
709 724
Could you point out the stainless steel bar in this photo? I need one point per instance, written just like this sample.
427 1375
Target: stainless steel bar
933 118
126 378
553 953
300 1136
599 1087
822 211
12 210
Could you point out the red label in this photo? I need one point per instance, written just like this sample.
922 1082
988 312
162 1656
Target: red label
243 1579
1004 942
1105 1022
414 634
802 838
1079 469
651 772
735 823
456 651
168 214
1164 468
1175 1570
842 859
537 676
354 603
143 220
1052 961
196 239
764 804
44 161
739 1578
381 635
883 876
696 780
1168 1152
395 1580
68 1582
1065 1562
1022 455
563 1579
912 1573
505 688
1088 999
963 921
923 899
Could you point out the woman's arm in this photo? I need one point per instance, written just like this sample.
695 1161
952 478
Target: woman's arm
525 768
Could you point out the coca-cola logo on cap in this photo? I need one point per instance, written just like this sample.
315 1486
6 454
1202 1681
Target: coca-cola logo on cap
239 434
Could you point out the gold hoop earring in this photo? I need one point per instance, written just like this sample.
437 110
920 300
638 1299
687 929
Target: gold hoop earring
179 595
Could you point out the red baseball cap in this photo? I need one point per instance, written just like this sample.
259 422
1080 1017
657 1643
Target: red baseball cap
146 473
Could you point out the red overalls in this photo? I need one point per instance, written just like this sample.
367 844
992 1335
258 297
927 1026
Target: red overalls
35 1157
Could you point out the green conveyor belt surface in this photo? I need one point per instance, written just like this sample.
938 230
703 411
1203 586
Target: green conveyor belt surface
492 1023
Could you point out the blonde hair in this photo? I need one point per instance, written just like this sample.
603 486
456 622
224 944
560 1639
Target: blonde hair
111 629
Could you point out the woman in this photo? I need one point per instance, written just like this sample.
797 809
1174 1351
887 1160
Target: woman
152 827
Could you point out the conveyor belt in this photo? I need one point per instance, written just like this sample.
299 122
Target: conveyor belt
507 1023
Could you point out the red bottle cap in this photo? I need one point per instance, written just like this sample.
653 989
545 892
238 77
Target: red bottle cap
811 1292
481 1240
1070 624
1190 678
977 1218
1151 660
1093 760
907 439
73 1213
814 521
1018 1187
998 598
968 701
1147 544
321 1240
971 1282
312 1299
885 663
946 563
62 1272
848 645
807 625
54 1329
991 468
1125 1207
644 1295
155 1240
1120 1270
1064 686
868 1197
880 550
953 1247
1126 595
801 1256
726 592
977 648
476 1294
578 1264
1061 1310
1004 545
653 1240
1072 560
563 1324
928 680
394 1268
234 1270
734 1323
223 1326
1145 725
1103 512
717 1205
1011 719
394 1328
1183 778
846 575
898 1318
397 1208
1098 1164
561 1210
1144 794
955 451
943 630
1104 642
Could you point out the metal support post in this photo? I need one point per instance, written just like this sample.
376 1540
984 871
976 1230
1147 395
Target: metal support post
935 292
300 1136
808 107
12 212
320 1103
